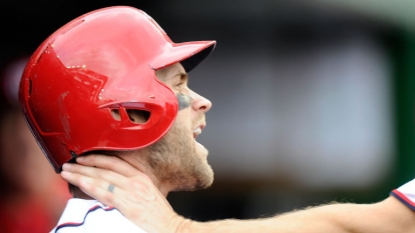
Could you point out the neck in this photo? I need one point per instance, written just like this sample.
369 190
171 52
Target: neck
78 193
141 165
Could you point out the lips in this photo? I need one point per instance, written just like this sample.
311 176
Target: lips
198 131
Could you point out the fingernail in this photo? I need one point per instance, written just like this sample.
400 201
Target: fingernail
66 166
80 159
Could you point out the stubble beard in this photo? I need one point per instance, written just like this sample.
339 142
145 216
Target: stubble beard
174 162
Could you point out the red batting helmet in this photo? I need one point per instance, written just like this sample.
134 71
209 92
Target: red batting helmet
99 64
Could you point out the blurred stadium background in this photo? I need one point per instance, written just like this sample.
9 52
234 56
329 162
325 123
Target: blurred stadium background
313 101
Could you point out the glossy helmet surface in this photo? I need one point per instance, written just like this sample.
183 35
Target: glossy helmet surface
100 64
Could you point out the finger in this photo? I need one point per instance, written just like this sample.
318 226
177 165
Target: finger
111 188
105 180
96 176
108 194
135 188
90 186
112 163
79 180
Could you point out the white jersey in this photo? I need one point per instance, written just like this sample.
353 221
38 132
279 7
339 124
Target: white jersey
82 216
406 194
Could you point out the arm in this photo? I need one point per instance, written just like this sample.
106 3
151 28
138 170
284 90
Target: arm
388 216
141 202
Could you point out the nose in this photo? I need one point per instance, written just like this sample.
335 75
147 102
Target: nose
200 103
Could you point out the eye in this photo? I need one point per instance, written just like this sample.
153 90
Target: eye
181 80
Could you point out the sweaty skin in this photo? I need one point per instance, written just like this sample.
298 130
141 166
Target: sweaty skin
184 101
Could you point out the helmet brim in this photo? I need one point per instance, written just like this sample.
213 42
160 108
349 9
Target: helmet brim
189 54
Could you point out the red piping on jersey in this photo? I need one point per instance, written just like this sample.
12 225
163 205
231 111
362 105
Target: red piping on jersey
73 224
405 200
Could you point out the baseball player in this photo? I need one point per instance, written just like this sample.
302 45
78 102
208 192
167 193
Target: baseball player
110 89
112 81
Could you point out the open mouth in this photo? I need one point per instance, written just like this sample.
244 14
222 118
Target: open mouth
197 132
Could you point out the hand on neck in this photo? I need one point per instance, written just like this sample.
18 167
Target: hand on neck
139 165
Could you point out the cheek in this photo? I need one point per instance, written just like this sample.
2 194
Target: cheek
183 121
184 101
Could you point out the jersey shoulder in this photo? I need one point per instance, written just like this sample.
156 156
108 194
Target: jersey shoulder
82 216
406 194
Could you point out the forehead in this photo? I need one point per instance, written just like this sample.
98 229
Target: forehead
169 72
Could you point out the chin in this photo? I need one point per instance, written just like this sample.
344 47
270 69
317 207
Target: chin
204 177
201 177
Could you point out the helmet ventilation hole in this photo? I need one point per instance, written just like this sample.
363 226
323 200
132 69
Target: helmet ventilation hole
115 113
138 116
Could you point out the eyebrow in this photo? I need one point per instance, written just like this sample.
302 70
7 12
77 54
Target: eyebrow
177 72
181 74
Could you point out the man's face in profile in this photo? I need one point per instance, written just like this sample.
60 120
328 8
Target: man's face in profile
178 159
